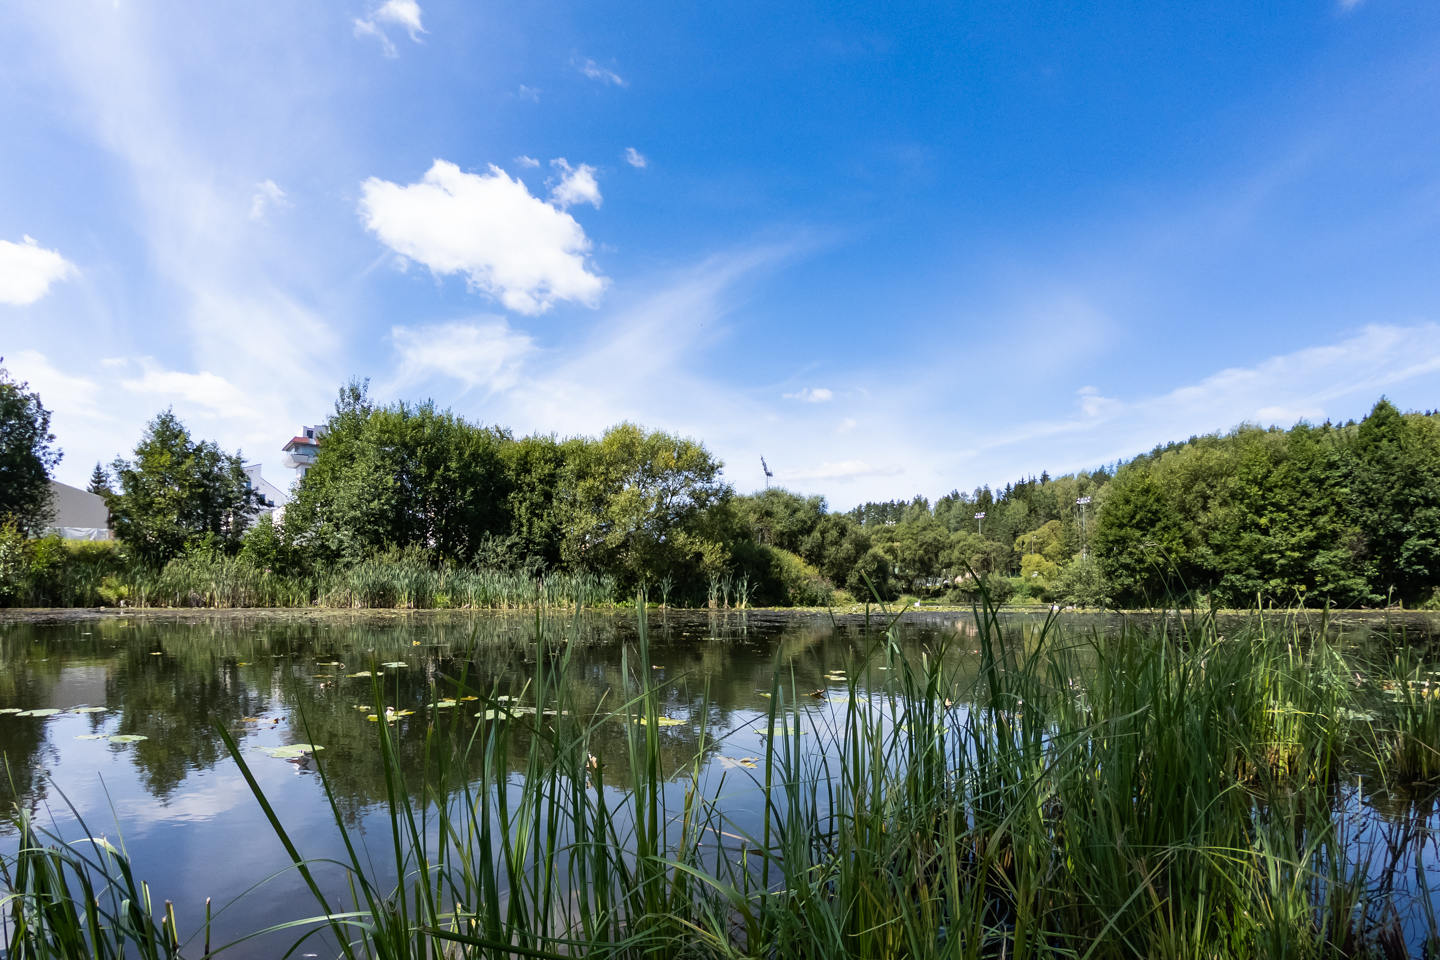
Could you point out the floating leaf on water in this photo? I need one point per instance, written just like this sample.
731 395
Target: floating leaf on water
87 709
294 751
735 762
469 698
765 693
835 676
161 653
504 698
242 663
322 676
92 736
9 709
661 721
128 738
365 673
42 712
400 713
395 663
493 715
443 704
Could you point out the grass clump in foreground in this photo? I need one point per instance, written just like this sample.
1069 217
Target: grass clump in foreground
1165 792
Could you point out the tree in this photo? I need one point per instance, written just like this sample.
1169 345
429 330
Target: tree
177 493
1395 496
99 480
27 455
634 504
398 477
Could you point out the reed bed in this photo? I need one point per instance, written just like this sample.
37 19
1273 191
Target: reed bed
1163 792
403 583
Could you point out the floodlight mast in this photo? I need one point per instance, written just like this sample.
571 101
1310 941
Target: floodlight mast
766 467
980 523
1082 503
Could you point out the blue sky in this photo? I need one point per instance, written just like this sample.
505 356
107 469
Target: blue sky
893 248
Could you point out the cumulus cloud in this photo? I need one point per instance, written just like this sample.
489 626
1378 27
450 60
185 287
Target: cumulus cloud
527 161
508 243
635 158
485 354
577 185
811 395
27 271
267 196
605 75
404 14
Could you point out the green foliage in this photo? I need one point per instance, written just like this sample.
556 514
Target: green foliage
27 455
397 477
178 493
51 572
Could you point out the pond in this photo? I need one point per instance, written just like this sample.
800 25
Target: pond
110 726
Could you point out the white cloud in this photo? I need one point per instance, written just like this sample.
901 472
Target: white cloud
27 271
605 75
267 196
635 158
204 392
842 471
811 395
399 13
515 247
846 425
75 394
527 161
528 93
576 185
488 354
1092 404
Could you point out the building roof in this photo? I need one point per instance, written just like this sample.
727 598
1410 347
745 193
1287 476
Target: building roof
74 507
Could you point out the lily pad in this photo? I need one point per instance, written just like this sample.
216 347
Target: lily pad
128 738
9 709
365 673
395 663
42 712
92 736
494 715
443 704
294 751
662 721
87 710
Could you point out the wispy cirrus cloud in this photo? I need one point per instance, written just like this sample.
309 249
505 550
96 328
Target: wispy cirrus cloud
596 72
486 353
810 395
524 252
28 271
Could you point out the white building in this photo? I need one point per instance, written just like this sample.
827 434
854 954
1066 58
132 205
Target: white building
272 498
78 514
301 450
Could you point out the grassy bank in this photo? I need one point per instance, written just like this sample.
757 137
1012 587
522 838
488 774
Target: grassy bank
1171 790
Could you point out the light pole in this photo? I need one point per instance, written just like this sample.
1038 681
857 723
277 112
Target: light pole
979 523
1082 503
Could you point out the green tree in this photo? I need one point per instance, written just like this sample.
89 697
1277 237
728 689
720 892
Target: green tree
1395 497
176 493
634 503
398 477
27 455
99 480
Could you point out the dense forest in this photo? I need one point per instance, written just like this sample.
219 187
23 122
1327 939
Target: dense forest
1342 514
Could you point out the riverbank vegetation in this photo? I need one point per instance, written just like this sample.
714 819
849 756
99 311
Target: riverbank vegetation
412 506
1167 791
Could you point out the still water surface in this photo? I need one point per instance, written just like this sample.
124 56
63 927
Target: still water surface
190 824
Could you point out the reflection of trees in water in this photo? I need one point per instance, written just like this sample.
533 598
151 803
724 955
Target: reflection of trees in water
173 681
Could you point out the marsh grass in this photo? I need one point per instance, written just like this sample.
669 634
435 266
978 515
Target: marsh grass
1167 791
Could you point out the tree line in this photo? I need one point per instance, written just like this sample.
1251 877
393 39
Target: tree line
1345 514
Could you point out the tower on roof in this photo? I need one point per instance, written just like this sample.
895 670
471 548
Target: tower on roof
301 449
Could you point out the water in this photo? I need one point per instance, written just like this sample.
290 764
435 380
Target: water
183 812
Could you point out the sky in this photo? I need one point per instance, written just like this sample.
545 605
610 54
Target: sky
894 249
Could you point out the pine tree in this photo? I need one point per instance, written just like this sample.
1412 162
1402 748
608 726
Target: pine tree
99 481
